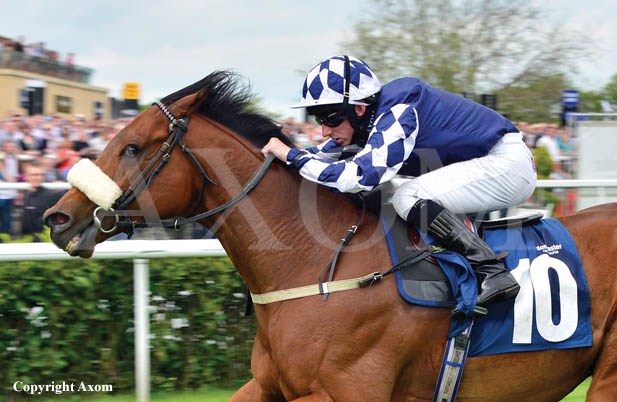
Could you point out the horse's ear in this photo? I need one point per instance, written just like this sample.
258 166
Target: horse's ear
200 97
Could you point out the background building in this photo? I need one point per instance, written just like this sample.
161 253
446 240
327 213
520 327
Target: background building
41 85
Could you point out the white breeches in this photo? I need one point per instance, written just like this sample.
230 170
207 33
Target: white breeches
503 178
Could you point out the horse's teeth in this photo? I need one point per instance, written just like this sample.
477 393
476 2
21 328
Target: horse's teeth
70 245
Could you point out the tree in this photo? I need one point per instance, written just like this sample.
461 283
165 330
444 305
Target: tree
610 90
590 101
464 45
538 100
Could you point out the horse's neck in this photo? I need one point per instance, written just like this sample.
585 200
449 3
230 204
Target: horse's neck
285 232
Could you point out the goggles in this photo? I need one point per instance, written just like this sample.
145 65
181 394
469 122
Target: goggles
333 118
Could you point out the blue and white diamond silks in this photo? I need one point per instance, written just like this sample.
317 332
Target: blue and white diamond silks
389 144
325 83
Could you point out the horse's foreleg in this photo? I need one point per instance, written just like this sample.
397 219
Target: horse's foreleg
314 398
249 392
252 392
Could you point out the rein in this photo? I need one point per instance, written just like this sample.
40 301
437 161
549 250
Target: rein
177 129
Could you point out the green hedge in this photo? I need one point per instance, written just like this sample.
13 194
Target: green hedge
73 321
544 167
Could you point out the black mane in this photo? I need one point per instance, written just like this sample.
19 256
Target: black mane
230 103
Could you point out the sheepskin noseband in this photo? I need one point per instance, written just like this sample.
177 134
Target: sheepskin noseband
96 185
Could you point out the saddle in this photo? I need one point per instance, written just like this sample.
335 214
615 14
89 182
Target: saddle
424 282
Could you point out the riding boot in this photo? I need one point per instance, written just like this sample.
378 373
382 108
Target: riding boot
495 281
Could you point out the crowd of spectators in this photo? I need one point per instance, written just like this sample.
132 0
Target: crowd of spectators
303 134
51 145
35 149
37 58
559 143
37 49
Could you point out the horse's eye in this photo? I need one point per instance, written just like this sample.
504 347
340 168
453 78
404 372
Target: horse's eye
130 150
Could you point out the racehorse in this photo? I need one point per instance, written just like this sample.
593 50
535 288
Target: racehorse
358 345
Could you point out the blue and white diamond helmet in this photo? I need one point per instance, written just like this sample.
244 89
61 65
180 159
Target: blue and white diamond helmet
325 83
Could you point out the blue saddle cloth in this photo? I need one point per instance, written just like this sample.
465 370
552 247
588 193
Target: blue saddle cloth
552 308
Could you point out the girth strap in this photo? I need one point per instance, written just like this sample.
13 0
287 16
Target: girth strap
313 290
325 288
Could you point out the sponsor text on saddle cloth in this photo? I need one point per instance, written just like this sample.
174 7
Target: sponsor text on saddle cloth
552 308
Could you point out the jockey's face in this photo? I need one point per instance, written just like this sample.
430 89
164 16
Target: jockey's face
342 133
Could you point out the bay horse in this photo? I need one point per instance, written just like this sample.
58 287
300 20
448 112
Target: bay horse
361 344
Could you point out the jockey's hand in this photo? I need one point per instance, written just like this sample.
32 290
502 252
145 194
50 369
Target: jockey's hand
276 147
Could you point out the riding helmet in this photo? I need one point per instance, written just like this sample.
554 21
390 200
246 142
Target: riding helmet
325 83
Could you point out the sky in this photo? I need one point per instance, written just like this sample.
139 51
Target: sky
167 45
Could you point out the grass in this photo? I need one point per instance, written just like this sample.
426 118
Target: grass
579 394
208 394
211 394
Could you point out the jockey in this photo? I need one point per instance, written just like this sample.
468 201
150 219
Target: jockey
464 156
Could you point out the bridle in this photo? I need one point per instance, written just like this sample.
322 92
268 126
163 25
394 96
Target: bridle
177 129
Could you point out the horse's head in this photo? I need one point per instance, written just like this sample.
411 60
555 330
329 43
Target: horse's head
132 162
146 173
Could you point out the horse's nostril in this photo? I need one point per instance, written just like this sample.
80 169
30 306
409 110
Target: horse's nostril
58 219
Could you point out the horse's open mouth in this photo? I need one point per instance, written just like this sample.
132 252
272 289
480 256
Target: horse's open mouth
82 244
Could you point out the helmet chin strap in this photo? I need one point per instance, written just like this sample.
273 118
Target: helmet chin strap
362 125
350 110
